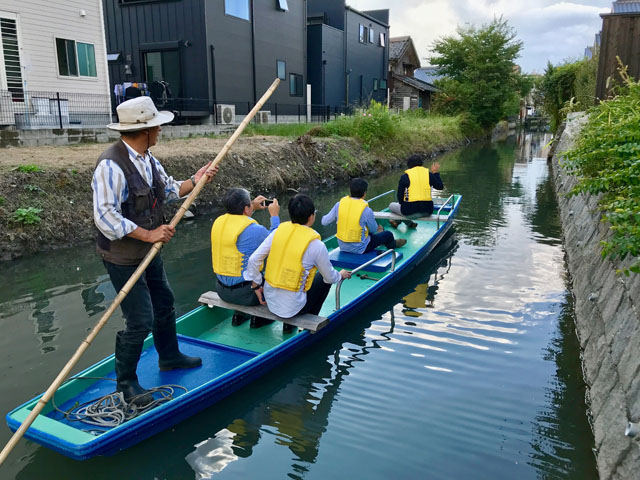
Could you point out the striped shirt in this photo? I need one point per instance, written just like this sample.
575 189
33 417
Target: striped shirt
110 191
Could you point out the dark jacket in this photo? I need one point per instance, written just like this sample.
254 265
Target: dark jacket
410 208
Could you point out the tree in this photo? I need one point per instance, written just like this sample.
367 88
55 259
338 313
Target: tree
481 77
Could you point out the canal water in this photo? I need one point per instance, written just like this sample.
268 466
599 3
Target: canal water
467 369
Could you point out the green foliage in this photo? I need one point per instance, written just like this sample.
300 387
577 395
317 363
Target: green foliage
606 158
371 126
27 216
481 78
568 87
33 188
2 201
278 129
28 169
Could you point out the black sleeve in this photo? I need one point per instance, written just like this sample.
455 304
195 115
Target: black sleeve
435 181
403 184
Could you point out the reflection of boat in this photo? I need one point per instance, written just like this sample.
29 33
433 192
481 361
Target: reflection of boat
232 356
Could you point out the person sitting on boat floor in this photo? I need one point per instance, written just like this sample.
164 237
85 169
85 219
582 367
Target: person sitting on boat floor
414 191
299 273
234 237
130 189
358 231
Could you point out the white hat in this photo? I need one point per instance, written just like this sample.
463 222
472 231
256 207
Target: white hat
139 113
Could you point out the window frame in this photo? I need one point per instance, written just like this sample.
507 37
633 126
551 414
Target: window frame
382 39
375 84
76 58
284 73
382 85
282 5
227 14
372 36
295 77
363 34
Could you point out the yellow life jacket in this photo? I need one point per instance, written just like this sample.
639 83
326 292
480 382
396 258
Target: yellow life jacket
284 265
225 256
419 187
349 213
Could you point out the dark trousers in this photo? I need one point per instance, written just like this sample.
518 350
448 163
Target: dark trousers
316 296
383 238
149 304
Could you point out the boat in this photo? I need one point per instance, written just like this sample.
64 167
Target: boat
232 356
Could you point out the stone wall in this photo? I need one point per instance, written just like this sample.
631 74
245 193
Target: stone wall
607 308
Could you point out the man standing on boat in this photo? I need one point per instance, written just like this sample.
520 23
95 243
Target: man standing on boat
414 191
358 231
130 188
234 237
295 253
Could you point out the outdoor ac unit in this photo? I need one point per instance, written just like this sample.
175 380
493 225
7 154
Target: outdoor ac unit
264 116
226 114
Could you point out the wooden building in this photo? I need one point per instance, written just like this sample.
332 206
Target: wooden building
406 91
620 38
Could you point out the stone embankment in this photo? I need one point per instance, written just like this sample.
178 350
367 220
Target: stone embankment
57 180
607 306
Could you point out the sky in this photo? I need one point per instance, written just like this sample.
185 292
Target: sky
551 30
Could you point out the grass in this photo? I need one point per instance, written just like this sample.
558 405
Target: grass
279 129
28 169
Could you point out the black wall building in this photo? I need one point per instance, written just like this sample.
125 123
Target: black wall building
210 51
348 53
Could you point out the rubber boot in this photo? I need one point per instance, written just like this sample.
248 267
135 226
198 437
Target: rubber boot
239 318
257 322
127 356
169 357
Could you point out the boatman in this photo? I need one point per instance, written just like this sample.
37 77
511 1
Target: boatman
358 231
234 237
414 191
130 189
295 253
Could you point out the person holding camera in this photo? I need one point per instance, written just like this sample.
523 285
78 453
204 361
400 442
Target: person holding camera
234 237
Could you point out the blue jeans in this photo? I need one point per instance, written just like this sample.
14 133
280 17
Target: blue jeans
149 304
383 238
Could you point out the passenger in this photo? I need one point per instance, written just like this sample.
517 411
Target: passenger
295 254
414 191
356 222
234 237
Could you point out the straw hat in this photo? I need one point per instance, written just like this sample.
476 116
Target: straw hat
139 113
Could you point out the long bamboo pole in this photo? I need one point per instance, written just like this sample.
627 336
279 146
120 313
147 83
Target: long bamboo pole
64 373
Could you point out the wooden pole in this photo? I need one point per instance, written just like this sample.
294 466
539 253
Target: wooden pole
46 397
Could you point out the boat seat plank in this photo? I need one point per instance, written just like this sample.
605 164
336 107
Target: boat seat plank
394 216
307 321
354 260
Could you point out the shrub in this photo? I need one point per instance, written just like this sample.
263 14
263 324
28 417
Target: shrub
29 169
27 216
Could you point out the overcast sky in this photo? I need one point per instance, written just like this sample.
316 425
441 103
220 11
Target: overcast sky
551 30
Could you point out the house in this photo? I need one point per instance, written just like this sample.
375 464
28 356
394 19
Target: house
347 54
200 57
53 66
406 91
620 37
428 74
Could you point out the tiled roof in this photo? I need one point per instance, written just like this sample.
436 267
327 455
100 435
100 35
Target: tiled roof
427 74
414 82
397 47
626 7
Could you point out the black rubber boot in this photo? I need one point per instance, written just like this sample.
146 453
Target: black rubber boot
257 322
239 318
288 328
169 357
127 356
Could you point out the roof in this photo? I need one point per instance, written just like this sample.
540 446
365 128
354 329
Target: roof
625 6
415 83
397 46
427 74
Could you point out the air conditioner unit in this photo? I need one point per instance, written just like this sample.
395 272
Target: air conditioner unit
263 116
226 114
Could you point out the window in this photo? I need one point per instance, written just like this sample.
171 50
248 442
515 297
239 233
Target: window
237 8
282 5
163 66
363 34
295 85
10 51
372 36
281 68
86 59
375 84
76 59
383 39
383 84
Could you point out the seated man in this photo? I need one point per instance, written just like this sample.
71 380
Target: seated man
295 254
356 222
234 237
414 191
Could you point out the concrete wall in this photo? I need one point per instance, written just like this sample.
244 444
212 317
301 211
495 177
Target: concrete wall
607 308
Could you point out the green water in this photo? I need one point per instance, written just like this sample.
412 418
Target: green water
468 368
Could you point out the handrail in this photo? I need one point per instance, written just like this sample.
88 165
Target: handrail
362 267
380 196
440 209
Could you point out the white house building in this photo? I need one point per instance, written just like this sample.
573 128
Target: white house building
53 64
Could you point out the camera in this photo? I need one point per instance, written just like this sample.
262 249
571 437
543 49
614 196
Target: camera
267 202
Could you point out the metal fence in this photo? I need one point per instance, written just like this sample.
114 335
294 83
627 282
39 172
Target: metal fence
40 109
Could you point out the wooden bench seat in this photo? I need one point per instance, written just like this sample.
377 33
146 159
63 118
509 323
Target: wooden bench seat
394 216
313 323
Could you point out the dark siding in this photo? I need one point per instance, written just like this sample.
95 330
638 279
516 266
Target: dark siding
314 61
131 29
382 15
332 9
367 61
620 37
326 44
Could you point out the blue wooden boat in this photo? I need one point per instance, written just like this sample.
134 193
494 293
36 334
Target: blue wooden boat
232 356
